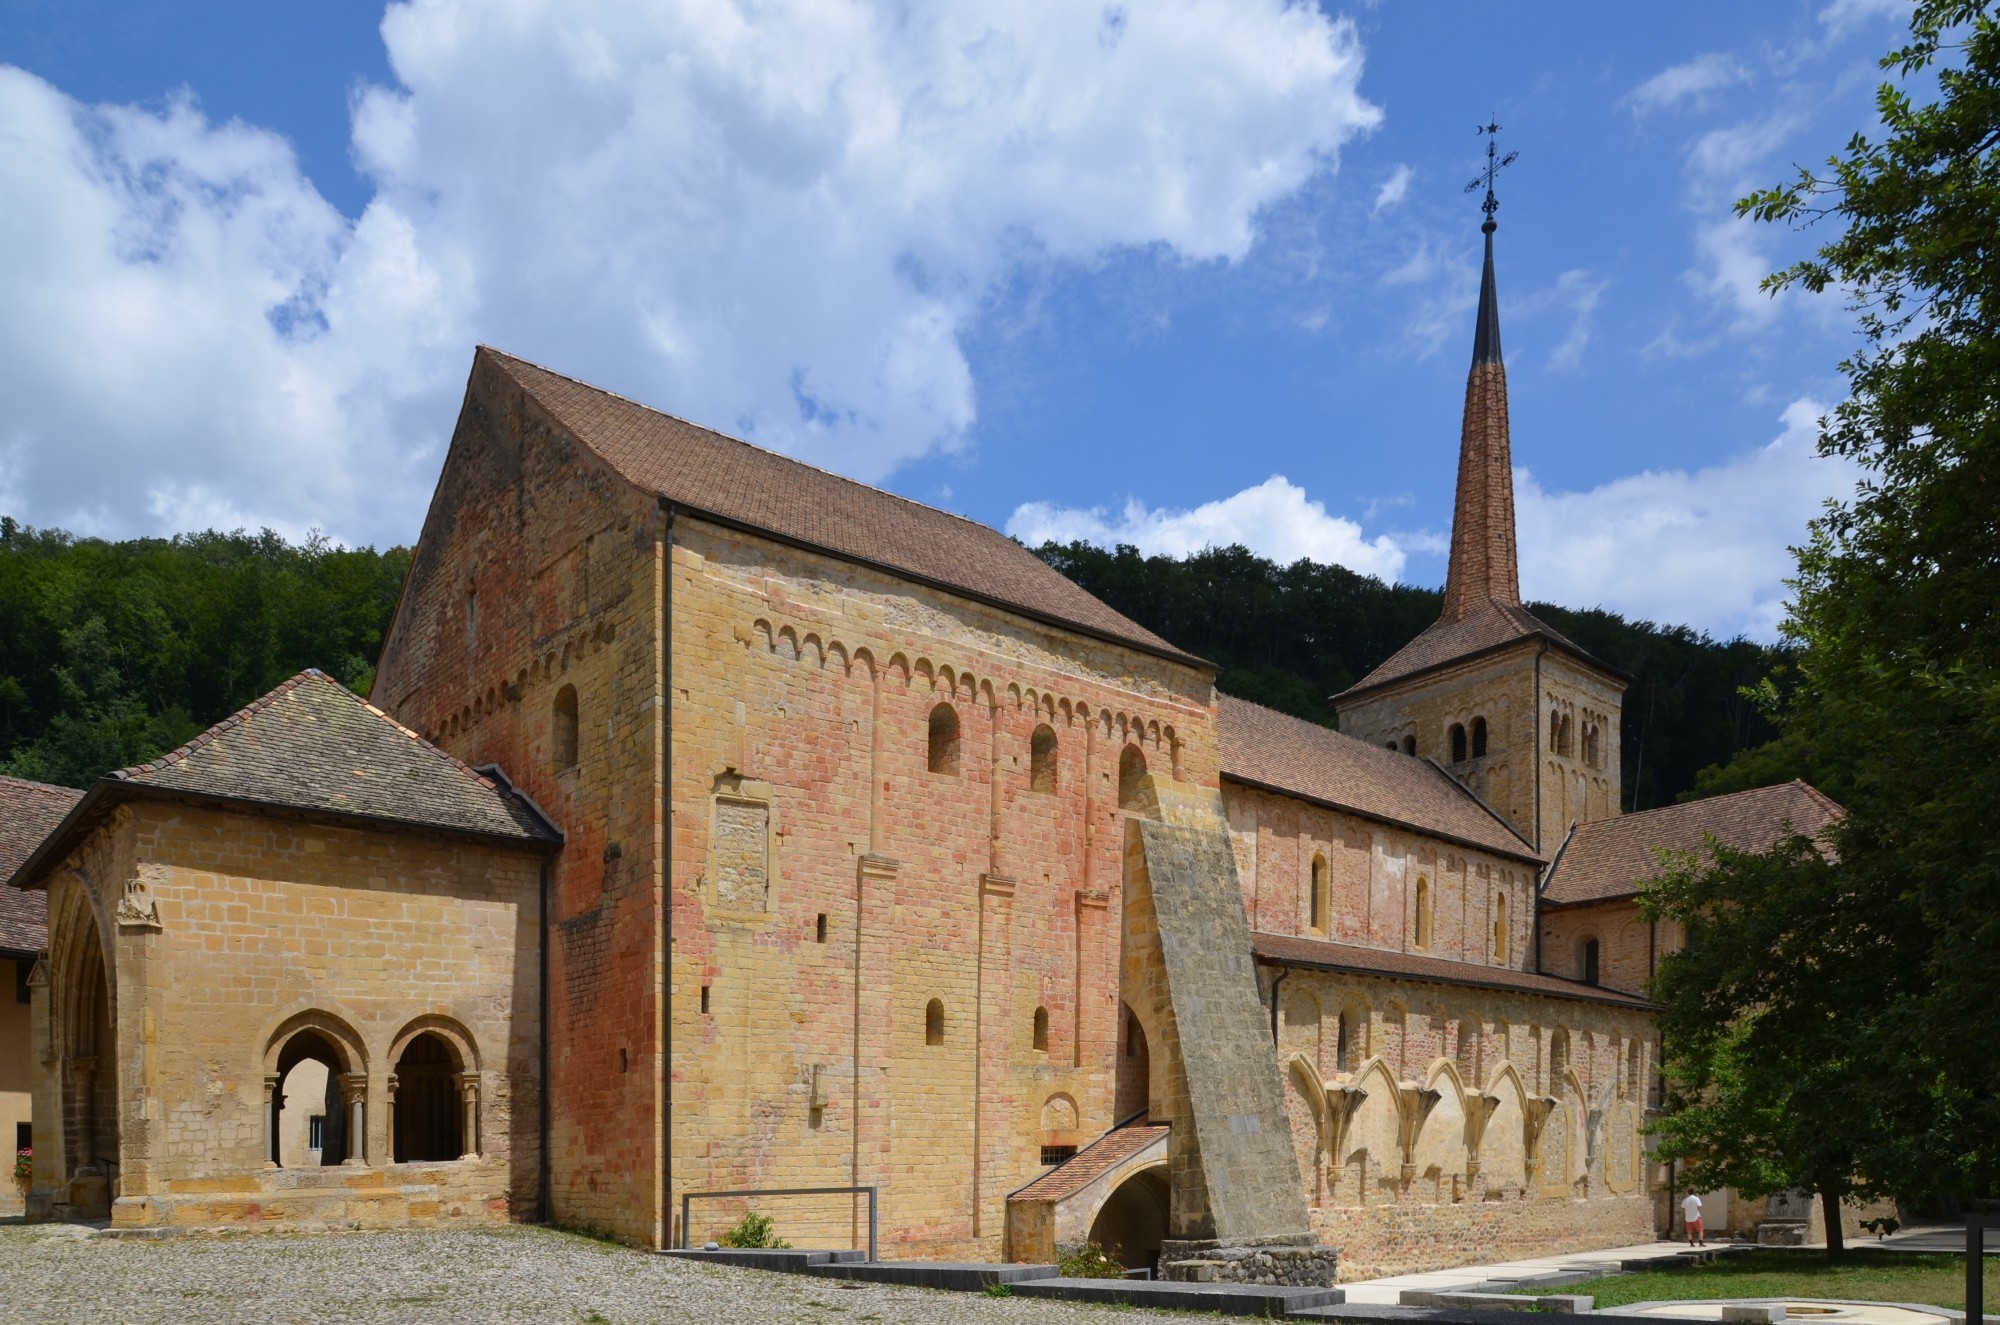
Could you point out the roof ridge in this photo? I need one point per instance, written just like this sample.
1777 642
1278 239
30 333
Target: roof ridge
727 437
208 734
1475 798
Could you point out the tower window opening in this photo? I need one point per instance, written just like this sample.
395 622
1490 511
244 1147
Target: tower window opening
1409 745
1479 738
1457 743
1588 960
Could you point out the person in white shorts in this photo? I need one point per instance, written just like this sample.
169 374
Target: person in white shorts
1691 1216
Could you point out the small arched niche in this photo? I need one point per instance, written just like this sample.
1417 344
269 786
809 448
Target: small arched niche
1042 775
934 1022
1131 779
944 739
1038 1034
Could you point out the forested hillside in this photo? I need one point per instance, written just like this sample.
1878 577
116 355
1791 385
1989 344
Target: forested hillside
1289 636
112 653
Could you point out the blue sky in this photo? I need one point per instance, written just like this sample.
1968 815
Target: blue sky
1173 273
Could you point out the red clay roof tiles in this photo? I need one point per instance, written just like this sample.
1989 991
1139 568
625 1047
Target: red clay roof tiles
1290 950
1091 1162
1264 748
1611 858
29 812
1446 642
709 473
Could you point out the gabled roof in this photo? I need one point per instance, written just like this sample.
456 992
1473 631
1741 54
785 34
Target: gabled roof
1612 858
736 483
312 746
1487 630
1318 954
1264 748
29 812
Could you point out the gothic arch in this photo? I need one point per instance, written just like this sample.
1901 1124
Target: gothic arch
336 1030
446 1029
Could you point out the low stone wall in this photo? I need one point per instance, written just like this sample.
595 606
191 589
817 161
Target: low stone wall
399 1196
1293 1266
1408 1238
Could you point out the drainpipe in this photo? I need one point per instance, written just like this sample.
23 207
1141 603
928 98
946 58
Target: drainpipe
667 889
546 1203
1283 971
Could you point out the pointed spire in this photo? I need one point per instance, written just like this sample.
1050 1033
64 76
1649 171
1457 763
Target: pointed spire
1483 559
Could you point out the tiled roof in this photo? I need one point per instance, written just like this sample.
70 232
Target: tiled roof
1611 858
1091 1163
29 812
1264 748
1445 642
709 473
312 745
1290 950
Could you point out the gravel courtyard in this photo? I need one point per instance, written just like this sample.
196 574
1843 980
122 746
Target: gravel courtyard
53 1273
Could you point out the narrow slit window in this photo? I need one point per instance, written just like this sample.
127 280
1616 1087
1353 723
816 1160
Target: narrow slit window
934 1022
1457 743
1040 1034
819 928
1042 760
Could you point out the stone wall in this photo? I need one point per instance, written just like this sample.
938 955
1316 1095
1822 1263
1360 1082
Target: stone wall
1537 789
528 636
828 887
263 928
1463 1122
1480 904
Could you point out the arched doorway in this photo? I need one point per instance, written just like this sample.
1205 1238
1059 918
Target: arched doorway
307 1103
89 1066
1132 1224
429 1111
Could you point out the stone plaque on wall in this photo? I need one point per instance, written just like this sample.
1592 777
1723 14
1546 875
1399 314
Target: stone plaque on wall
742 855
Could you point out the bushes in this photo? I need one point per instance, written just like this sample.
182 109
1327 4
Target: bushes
1089 1261
754 1231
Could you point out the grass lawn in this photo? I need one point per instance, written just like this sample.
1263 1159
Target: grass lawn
1779 1272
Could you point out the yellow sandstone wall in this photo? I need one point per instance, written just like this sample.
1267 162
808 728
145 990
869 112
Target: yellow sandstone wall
266 924
16 1077
803 691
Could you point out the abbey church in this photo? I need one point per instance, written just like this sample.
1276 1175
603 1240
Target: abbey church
719 825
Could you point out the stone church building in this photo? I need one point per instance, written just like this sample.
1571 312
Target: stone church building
719 824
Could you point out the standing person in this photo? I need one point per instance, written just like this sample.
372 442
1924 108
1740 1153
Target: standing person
1691 1216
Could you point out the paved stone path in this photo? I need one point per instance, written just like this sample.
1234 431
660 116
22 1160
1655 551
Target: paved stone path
52 1273
1389 1290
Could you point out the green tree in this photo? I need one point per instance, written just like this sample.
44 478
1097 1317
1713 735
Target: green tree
1769 1086
1897 616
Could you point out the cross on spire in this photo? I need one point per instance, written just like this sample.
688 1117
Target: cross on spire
1495 163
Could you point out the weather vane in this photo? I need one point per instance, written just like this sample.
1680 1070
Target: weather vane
1495 163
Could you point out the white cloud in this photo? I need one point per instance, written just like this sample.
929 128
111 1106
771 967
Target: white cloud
1395 188
1576 291
1732 262
1695 81
1275 519
1708 548
776 220
1844 16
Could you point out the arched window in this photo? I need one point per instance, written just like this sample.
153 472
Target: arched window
934 1022
1041 1031
1042 759
563 729
1316 907
1500 928
1587 959
431 1097
1568 743
308 1105
1457 743
944 739
1131 773
1423 912
1479 738
1344 1044
1409 745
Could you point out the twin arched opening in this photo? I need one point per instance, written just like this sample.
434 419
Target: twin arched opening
316 1093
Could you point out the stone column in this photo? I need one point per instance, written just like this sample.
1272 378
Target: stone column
468 1097
354 1092
272 1159
389 1112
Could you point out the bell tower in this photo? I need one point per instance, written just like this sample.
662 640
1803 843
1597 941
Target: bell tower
1496 698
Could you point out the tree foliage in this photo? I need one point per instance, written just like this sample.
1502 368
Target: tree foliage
1897 617
113 653
1290 636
